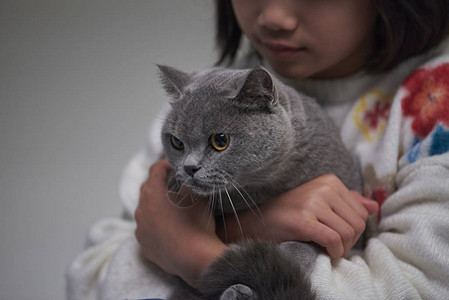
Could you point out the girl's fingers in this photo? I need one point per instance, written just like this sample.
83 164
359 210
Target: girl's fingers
352 198
334 186
328 238
370 205
348 232
348 214
155 185
158 171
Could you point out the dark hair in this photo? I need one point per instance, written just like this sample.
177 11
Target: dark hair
404 28
228 32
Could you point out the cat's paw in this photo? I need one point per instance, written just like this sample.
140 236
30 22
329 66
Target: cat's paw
238 292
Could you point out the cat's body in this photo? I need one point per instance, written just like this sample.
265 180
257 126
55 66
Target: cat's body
242 138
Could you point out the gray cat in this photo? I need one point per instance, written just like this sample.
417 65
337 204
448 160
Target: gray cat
242 138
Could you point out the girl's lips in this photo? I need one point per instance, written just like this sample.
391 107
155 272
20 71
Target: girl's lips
282 50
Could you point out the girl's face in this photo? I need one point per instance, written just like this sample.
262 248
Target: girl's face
310 38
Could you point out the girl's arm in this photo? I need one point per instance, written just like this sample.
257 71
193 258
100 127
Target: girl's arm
323 211
92 274
182 241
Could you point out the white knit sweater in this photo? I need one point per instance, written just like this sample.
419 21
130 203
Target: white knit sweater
397 125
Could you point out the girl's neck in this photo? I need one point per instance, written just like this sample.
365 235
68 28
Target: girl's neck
332 91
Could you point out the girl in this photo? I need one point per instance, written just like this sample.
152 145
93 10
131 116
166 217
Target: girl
380 68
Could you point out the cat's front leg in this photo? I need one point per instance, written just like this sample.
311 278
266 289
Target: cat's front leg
261 270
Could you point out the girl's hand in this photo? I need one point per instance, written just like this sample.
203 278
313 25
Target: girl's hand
322 210
182 241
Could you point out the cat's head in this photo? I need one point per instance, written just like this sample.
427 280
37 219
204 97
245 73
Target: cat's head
226 128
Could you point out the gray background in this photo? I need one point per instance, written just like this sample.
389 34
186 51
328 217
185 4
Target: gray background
78 90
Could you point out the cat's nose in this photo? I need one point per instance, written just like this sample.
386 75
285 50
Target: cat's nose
191 170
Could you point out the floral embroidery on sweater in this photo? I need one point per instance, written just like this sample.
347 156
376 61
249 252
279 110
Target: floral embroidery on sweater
377 188
371 113
427 104
440 141
436 143
428 99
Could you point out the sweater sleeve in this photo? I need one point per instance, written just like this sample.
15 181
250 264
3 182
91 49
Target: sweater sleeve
110 266
407 170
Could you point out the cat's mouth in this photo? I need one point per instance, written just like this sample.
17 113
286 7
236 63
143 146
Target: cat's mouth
205 188
202 186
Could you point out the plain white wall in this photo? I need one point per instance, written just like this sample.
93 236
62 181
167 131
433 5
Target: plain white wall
78 89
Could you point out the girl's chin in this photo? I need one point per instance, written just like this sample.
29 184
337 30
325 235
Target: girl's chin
291 71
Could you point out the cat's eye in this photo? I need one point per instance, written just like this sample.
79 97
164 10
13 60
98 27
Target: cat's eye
220 141
176 143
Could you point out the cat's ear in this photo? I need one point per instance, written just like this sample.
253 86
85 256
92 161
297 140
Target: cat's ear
258 91
173 80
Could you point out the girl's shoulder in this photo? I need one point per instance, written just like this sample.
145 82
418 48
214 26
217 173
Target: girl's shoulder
423 102
403 118
412 98
430 66
419 81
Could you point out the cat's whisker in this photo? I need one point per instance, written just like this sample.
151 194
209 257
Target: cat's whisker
223 215
178 191
258 214
173 192
191 196
235 212
240 187
176 202
173 188
181 196
211 205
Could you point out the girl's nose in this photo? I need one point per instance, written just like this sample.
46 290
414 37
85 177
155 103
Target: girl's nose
277 16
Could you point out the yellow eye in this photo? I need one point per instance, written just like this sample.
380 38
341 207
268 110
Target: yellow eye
176 143
220 141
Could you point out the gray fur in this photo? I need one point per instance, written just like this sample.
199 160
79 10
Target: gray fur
264 268
279 139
